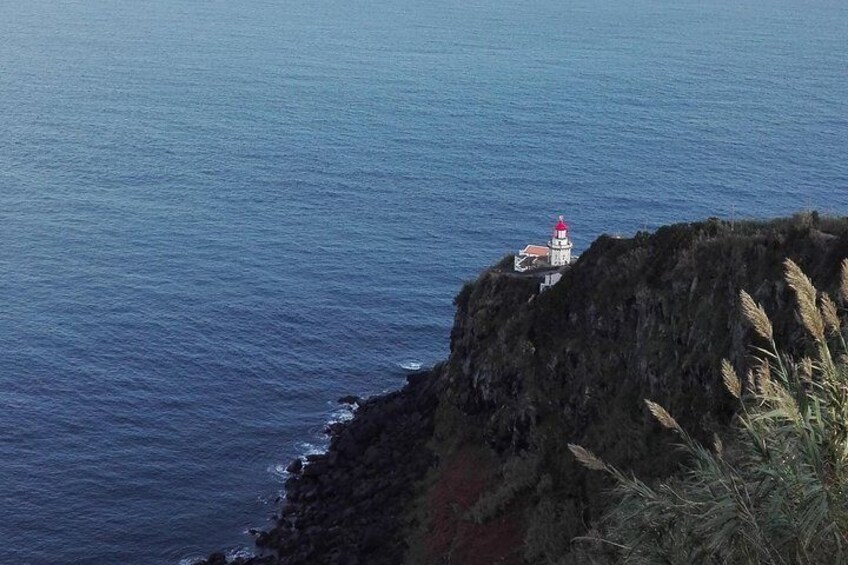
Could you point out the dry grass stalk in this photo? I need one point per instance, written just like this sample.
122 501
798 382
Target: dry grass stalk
812 321
829 315
756 316
799 282
662 416
719 447
843 286
763 377
731 379
587 458
805 369
806 294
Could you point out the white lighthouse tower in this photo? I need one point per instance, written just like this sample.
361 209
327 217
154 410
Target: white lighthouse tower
560 246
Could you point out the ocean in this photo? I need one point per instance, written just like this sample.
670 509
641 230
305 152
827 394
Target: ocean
217 217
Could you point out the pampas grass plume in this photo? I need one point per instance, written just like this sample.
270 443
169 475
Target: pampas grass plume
806 293
805 369
587 458
843 283
662 416
731 379
829 315
756 316
763 377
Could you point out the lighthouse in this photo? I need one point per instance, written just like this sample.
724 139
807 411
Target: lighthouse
557 253
559 245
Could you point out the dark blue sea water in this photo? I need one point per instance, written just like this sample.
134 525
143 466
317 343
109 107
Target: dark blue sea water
217 217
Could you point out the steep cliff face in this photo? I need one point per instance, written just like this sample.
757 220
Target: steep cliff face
468 463
647 317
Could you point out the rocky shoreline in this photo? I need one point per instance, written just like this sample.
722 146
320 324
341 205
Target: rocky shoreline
348 506
646 317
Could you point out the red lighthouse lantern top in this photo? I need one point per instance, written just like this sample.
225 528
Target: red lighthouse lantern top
561 226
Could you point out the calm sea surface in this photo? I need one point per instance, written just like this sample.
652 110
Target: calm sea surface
217 217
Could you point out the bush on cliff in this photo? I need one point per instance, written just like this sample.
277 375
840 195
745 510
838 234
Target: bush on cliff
778 492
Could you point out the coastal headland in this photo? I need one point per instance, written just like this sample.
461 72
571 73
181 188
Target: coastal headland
468 463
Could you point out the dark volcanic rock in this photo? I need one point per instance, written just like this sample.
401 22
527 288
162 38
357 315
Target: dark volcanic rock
295 466
350 399
216 559
645 317
348 505
219 558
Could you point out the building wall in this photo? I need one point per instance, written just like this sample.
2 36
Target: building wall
560 252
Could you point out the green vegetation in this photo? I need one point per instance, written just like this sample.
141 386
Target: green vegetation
778 491
645 317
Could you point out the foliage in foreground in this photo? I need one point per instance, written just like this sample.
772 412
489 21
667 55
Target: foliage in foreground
779 492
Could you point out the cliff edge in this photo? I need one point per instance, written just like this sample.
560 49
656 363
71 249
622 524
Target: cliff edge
468 463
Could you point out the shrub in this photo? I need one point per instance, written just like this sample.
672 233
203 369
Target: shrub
778 493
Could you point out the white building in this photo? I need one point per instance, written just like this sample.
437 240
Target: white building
556 254
532 257
550 280
560 245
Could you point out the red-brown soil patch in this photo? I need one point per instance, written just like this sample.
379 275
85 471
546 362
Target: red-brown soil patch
450 538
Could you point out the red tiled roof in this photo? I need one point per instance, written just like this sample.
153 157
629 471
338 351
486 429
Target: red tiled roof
536 250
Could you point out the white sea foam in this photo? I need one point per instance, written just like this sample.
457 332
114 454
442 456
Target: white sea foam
307 448
342 414
279 471
411 365
239 552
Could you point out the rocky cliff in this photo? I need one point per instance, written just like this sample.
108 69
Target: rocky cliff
468 463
